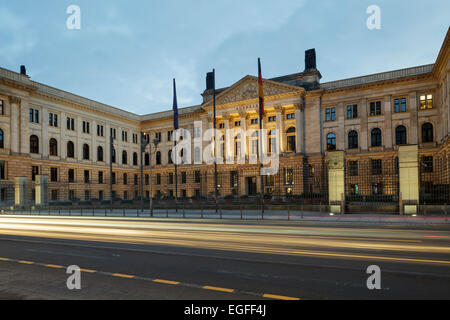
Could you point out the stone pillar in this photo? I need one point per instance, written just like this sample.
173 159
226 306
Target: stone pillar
41 190
336 181
281 129
20 186
298 130
15 124
244 139
44 143
409 177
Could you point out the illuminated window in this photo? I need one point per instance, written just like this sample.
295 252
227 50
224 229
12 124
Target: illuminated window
426 102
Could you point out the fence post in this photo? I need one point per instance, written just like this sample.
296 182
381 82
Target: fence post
342 203
240 208
167 212
289 212
184 206
400 203
201 210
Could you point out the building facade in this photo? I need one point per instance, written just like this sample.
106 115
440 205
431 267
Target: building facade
48 132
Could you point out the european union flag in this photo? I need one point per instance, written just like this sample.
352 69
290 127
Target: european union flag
175 106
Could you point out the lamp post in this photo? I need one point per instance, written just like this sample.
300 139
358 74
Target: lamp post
155 143
144 143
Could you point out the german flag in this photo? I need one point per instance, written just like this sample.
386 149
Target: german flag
261 90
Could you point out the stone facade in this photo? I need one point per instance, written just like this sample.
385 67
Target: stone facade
320 117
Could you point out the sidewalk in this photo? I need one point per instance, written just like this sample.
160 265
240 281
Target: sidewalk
272 215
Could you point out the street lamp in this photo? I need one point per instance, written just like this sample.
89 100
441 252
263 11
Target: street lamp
144 143
155 143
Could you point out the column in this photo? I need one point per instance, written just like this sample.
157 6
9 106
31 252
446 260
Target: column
363 135
281 130
44 137
244 139
298 129
336 181
15 124
63 136
409 178
412 135
41 190
387 137
20 186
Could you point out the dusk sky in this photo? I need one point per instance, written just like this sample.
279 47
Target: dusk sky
127 52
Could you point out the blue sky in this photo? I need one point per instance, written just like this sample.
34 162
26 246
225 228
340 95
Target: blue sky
127 52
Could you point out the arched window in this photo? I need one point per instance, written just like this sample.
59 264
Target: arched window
331 142
100 154
70 150
86 152
375 137
124 157
147 159
290 136
34 144
353 139
158 158
135 159
53 147
400 135
2 139
169 156
427 132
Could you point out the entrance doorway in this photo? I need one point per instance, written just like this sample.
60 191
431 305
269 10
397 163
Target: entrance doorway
251 186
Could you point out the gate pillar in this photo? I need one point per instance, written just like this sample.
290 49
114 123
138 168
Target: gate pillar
336 182
409 178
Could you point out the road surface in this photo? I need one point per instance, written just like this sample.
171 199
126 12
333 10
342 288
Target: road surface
142 258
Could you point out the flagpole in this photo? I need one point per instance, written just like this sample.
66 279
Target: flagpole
215 139
175 126
261 114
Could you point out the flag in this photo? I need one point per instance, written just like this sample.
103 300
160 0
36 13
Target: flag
175 106
261 90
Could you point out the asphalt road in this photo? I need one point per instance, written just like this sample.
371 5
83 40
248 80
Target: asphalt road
132 258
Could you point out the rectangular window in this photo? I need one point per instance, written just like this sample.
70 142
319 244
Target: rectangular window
2 170
100 131
34 115
135 179
54 195
86 176
2 107
254 121
352 111
353 168
125 136
272 119
87 195
170 178
100 177
113 133
426 101
34 172
54 174
53 120
330 114
86 127
234 179
70 124
158 136
183 177
375 108
377 167
198 176
113 178
158 179
71 175
169 135
125 179
427 164
400 105
237 123
289 176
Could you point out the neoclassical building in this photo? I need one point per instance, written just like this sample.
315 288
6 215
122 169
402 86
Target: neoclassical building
48 132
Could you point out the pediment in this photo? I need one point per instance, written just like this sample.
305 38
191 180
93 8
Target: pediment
247 89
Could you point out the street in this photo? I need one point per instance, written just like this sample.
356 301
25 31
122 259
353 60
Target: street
159 258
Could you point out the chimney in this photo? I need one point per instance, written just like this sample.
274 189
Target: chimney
23 70
209 81
310 60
